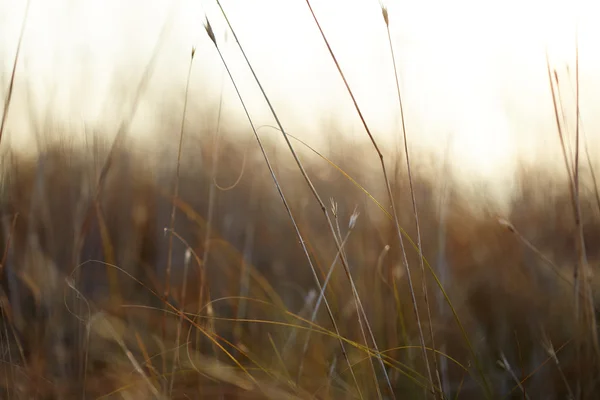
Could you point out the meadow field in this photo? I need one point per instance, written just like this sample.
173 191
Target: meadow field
223 256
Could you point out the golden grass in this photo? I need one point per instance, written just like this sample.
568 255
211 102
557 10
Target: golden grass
121 278
66 334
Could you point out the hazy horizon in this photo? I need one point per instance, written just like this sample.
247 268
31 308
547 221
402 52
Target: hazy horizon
472 77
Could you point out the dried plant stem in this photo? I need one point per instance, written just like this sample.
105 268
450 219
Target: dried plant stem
285 202
313 316
583 315
511 228
587 154
141 89
390 195
413 199
89 212
186 264
589 315
442 264
4 301
167 291
360 308
11 84
115 146
342 253
209 224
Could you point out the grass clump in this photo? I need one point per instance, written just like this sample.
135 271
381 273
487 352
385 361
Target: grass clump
82 307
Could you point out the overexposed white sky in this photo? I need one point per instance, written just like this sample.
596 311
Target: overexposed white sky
471 70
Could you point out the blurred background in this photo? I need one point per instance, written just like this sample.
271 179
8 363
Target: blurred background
473 76
499 220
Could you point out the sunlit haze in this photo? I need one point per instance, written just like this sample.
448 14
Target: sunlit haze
472 74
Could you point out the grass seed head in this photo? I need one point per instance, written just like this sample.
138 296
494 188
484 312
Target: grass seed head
384 11
210 32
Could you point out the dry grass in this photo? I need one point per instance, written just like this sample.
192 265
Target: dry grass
87 321
223 278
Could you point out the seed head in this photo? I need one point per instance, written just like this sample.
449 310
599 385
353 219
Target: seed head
210 32
353 218
334 206
384 11
506 224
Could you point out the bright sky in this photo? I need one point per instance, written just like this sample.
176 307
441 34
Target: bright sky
471 70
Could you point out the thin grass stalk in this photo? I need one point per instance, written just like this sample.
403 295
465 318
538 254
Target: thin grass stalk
568 150
141 89
244 282
503 363
442 267
400 311
10 377
167 291
4 301
581 267
565 157
536 370
354 182
313 316
576 166
576 266
86 348
580 128
186 264
360 308
116 337
588 158
281 363
391 198
413 199
592 170
394 216
283 198
590 315
577 179
9 234
343 254
209 221
11 84
549 348
173 309
360 321
89 212
555 268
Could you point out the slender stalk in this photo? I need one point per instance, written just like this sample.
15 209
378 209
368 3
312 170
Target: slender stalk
119 138
587 154
413 199
285 202
89 211
167 291
388 187
360 308
313 316
360 322
11 84
581 268
589 310
186 264
442 267
209 223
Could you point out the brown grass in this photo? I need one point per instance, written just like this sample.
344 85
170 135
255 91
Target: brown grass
74 326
